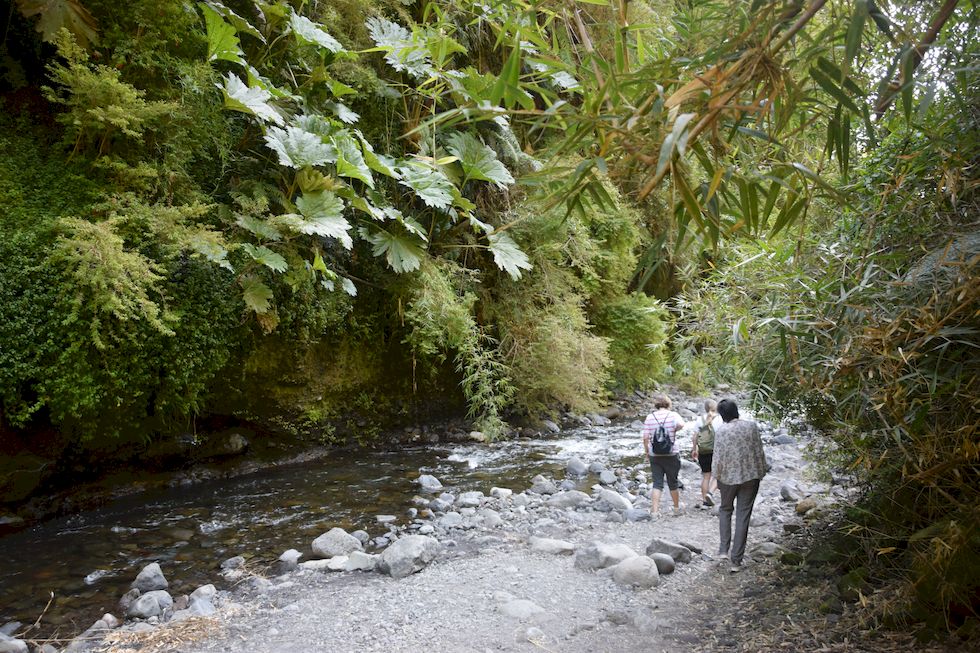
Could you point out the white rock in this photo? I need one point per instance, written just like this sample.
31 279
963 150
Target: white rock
521 609
408 555
639 571
501 493
600 555
614 500
429 483
551 546
569 499
335 542
150 578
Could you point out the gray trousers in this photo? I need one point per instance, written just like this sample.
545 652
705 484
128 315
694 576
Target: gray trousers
744 494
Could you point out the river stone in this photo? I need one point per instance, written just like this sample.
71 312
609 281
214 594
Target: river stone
10 628
665 564
151 604
451 520
361 561
568 499
576 467
806 505
10 645
429 483
676 551
150 578
127 599
407 555
233 563
596 467
289 560
542 485
335 542
501 493
600 555
551 426
440 505
552 546
637 514
638 571
789 491
567 484
607 477
520 609
692 546
470 499
490 518
614 500
111 621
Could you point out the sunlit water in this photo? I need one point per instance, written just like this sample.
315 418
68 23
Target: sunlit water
88 560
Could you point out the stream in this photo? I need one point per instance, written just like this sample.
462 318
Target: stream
87 560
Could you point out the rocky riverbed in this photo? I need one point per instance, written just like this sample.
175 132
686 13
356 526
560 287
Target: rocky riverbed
565 563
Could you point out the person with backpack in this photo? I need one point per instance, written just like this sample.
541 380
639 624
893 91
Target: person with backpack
702 449
739 463
660 444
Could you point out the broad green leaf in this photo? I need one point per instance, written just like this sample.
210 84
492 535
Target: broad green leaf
403 51
258 227
55 15
318 263
239 23
350 161
377 162
250 100
429 183
507 255
297 147
348 286
266 257
478 161
256 294
343 112
209 245
403 253
308 32
222 39
324 216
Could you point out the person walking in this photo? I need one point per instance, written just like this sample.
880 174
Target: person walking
660 444
738 463
702 449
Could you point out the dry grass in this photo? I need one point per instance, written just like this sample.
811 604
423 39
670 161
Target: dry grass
168 637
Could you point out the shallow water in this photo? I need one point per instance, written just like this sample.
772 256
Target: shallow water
88 560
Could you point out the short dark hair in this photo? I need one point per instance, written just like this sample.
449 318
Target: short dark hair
728 410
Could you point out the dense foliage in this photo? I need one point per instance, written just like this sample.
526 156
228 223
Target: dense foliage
292 211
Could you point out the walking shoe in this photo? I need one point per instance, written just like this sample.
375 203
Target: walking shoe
708 501
735 569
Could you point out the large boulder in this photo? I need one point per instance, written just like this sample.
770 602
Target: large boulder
552 546
613 500
335 542
150 578
21 475
569 499
226 443
639 571
676 551
429 483
665 564
9 644
151 604
407 555
576 467
600 555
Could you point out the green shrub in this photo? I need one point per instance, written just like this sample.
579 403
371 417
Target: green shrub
636 327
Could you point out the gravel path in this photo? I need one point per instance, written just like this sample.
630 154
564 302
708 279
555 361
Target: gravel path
469 599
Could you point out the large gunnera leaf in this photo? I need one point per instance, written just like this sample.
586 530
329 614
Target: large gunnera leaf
249 99
307 31
403 253
222 40
507 255
58 14
478 160
402 50
298 148
323 215
266 257
430 184
257 295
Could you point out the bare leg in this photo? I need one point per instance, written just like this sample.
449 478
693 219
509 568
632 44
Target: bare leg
714 485
705 486
655 501
676 498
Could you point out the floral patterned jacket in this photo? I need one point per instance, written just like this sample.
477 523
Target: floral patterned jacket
738 455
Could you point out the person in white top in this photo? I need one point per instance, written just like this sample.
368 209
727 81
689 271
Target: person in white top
702 448
663 456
